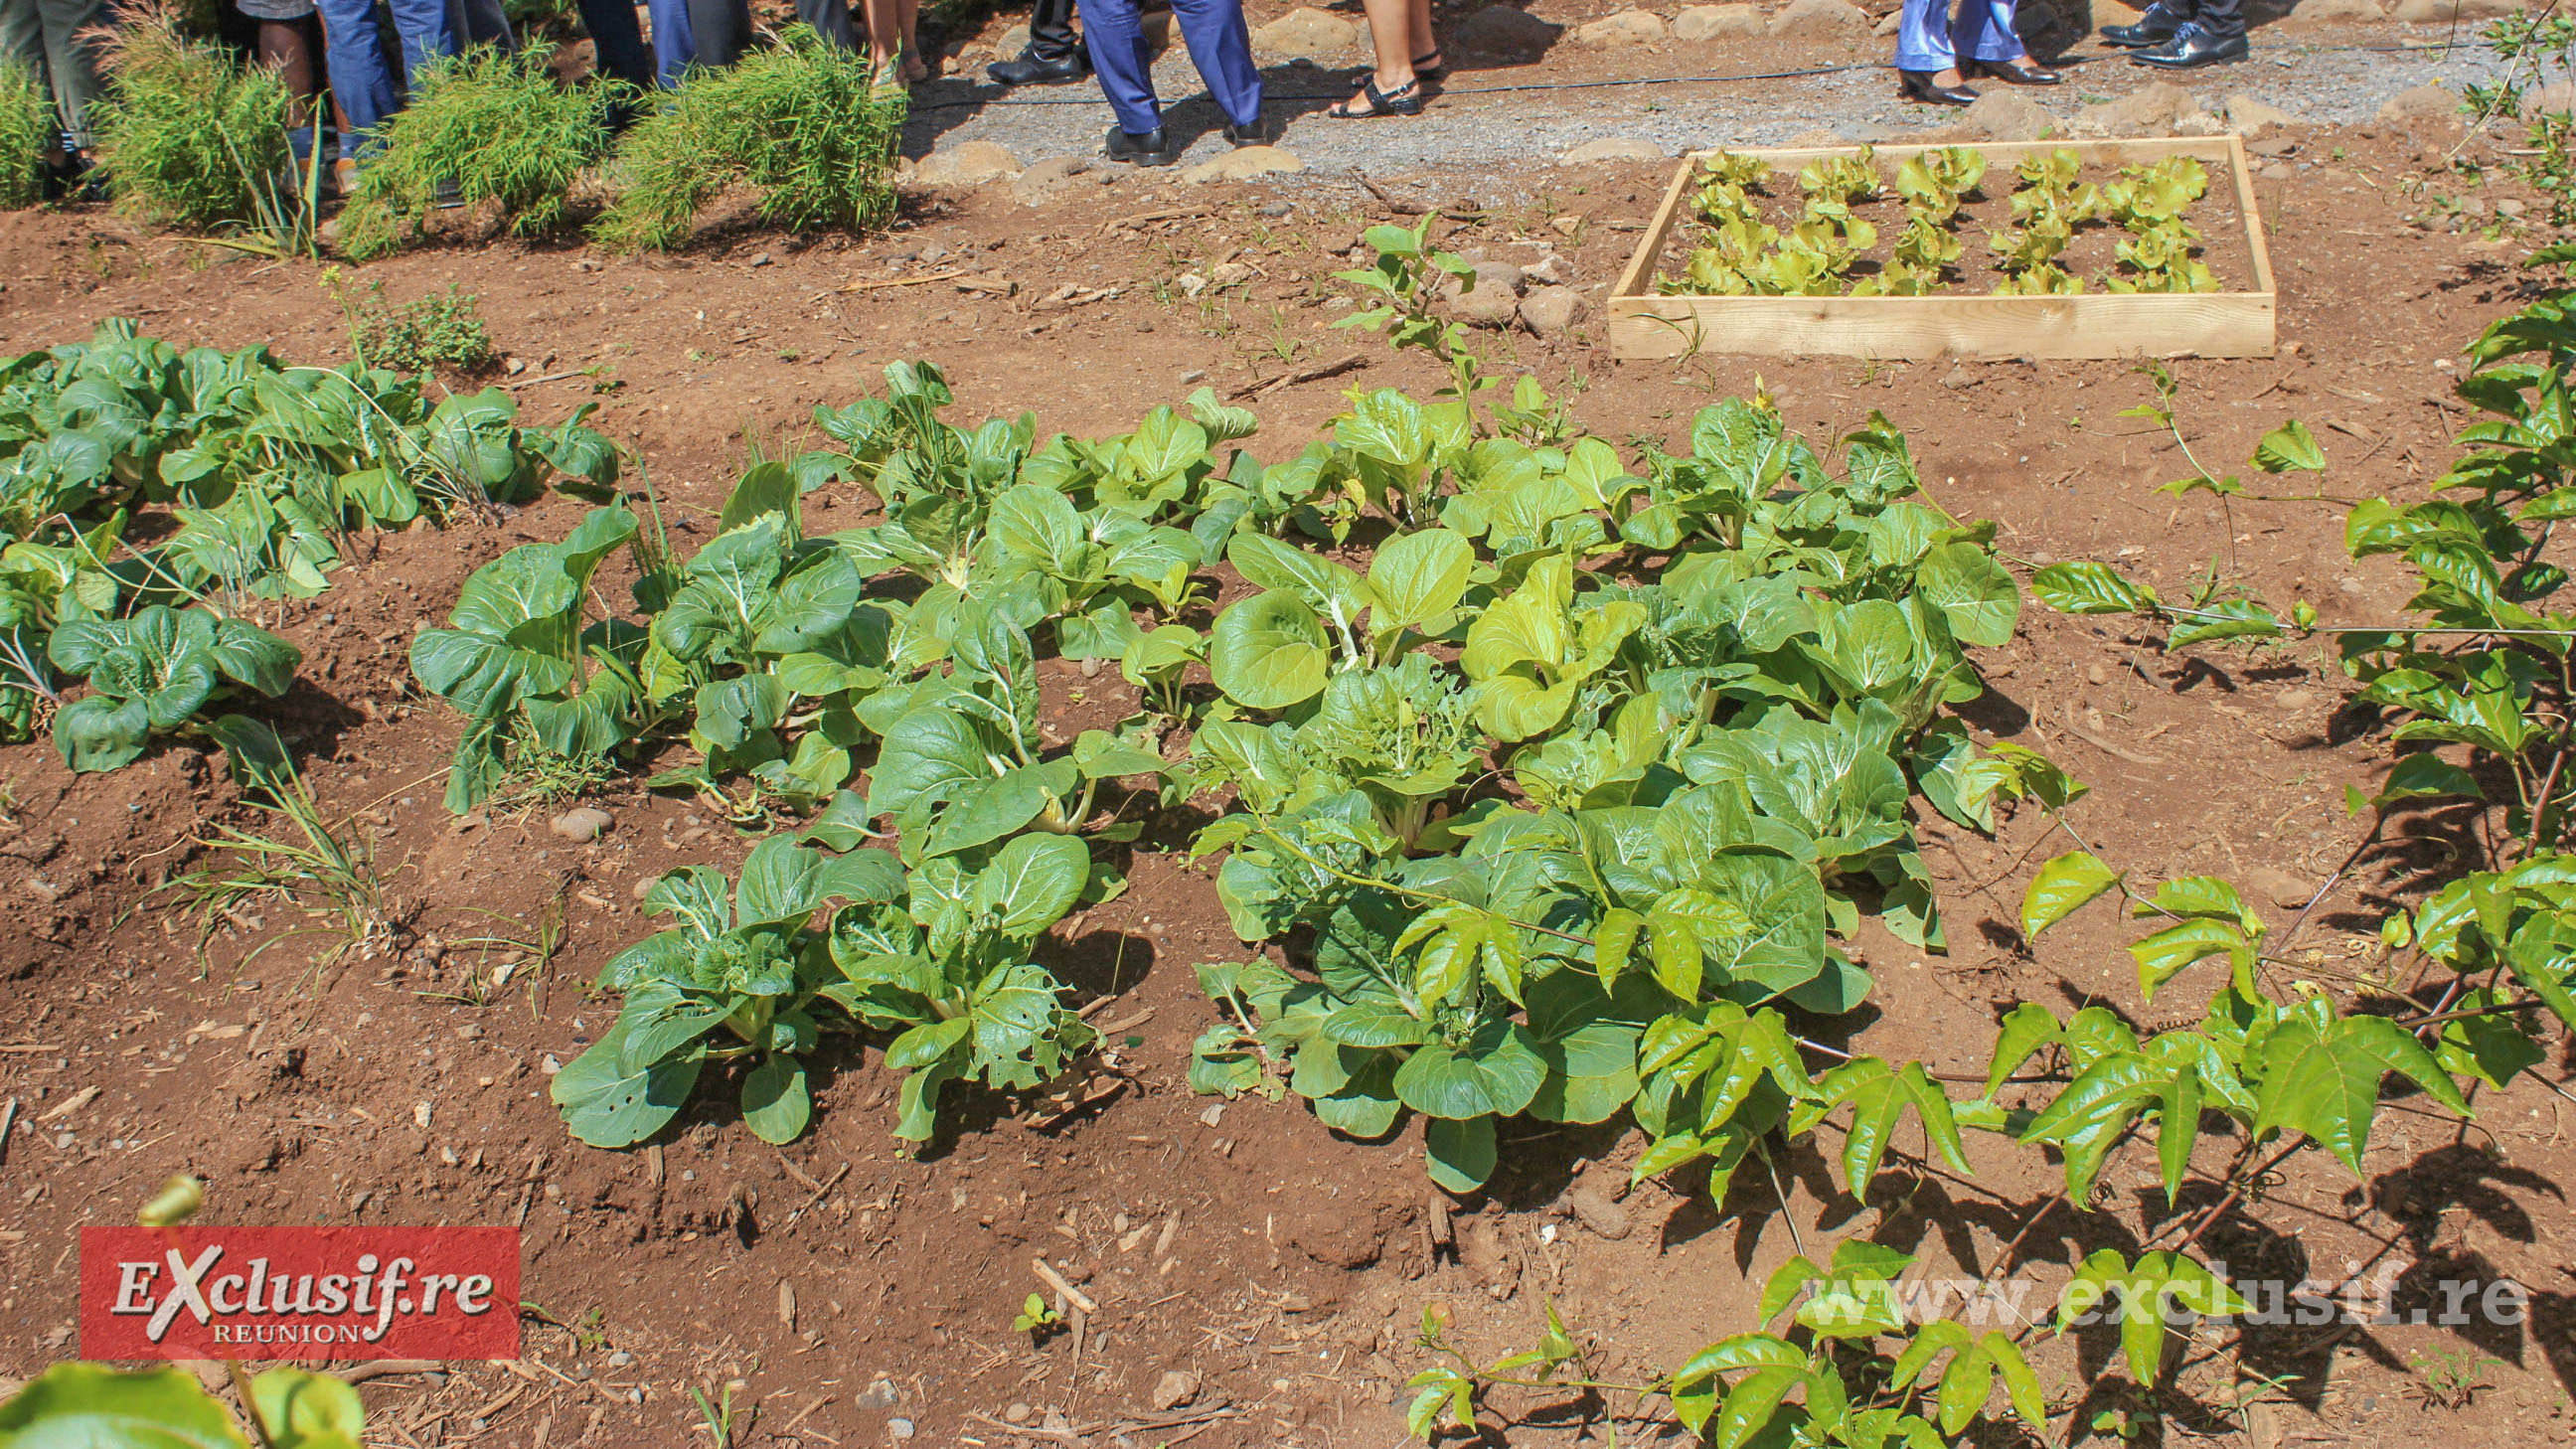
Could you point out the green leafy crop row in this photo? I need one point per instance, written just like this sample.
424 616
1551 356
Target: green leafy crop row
1744 255
266 471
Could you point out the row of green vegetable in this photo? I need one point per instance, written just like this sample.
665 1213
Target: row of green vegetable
154 501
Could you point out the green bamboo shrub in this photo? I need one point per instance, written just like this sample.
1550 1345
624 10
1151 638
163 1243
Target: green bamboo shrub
26 134
799 122
187 136
501 127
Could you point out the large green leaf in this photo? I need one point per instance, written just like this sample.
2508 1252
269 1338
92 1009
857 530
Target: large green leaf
1496 1072
1417 578
607 1105
1270 651
92 1406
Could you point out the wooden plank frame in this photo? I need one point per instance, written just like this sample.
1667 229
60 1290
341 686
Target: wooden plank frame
1646 325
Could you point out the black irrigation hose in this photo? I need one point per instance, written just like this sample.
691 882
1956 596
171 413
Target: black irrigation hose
2064 63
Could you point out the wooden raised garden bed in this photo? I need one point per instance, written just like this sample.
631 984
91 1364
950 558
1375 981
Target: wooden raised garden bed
2237 322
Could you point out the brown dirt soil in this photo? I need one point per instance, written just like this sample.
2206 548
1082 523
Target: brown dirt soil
1285 1267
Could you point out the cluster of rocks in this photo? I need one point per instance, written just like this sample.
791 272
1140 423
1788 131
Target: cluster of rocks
1538 294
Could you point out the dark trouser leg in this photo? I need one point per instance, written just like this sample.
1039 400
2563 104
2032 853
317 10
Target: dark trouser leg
1051 30
721 28
2224 19
617 41
831 20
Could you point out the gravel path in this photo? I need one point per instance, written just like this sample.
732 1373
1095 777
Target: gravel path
1473 126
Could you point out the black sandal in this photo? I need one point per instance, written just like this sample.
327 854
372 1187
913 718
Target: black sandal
1430 67
1404 100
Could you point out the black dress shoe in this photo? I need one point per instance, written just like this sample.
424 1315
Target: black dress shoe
1154 148
2191 48
2153 28
1919 85
1256 134
2025 73
1033 69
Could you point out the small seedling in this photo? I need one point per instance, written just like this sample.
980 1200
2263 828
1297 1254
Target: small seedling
1037 1317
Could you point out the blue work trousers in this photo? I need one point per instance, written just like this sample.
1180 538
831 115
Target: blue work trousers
675 46
1220 46
354 55
1928 39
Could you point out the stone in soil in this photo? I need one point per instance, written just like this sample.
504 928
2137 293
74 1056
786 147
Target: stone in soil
2327 12
2150 110
2253 119
1628 27
2441 12
583 823
1505 30
1050 180
1491 301
1306 32
1717 22
2000 114
2423 106
1819 19
1550 311
966 163
1175 1389
1245 162
1612 148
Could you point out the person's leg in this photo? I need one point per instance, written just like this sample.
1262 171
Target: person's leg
1115 37
1051 34
885 39
71 61
1052 56
482 22
674 47
907 23
1221 47
361 82
831 20
721 28
617 42
1426 46
286 46
1985 32
1923 44
2222 19
1391 38
423 29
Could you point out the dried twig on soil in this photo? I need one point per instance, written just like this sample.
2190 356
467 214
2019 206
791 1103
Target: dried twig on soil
870 286
1146 218
808 1204
388 1367
1304 374
1061 1284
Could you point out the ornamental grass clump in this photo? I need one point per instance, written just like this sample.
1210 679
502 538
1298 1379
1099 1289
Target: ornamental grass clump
26 134
187 136
799 122
500 127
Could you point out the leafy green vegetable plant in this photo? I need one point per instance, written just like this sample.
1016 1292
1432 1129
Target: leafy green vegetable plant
745 961
152 673
947 968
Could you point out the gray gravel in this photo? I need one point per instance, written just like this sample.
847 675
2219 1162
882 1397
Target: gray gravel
1516 128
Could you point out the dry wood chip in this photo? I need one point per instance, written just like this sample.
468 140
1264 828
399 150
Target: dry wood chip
71 1104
